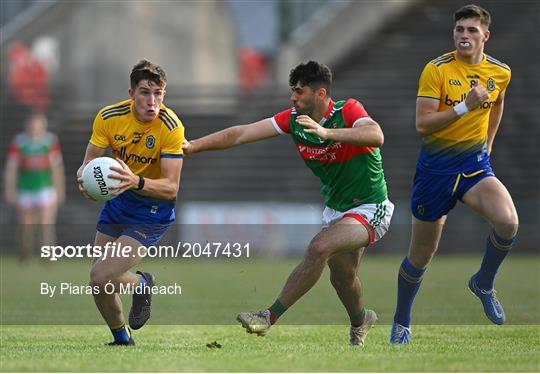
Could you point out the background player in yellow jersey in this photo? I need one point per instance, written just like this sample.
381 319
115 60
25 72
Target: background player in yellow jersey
146 138
458 111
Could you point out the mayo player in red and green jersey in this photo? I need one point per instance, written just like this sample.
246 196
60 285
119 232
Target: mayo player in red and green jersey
34 182
340 143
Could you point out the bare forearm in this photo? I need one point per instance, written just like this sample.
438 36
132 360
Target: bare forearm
428 123
367 136
493 126
59 179
10 178
160 189
223 139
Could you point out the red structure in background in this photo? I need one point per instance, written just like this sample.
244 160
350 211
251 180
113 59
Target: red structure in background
254 69
28 79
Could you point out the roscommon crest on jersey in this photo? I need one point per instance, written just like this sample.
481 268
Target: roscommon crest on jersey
96 179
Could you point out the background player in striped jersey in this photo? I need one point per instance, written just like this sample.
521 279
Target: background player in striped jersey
34 182
340 143
146 137
458 111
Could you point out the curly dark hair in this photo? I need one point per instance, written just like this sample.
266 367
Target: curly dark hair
312 74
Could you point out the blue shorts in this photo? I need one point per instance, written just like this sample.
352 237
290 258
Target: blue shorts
141 218
435 195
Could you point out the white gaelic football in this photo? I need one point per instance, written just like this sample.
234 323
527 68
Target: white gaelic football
95 178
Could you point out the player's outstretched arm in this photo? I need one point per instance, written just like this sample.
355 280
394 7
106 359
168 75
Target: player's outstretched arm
365 132
165 188
430 120
92 152
231 137
495 117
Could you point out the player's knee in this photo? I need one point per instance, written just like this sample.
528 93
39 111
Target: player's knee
318 249
421 260
340 279
99 278
508 225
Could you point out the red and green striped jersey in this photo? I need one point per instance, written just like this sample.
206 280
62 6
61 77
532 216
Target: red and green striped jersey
351 175
35 158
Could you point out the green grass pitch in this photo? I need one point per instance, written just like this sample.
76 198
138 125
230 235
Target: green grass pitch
64 333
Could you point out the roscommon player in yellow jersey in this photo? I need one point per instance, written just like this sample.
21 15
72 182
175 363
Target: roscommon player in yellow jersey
458 111
146 138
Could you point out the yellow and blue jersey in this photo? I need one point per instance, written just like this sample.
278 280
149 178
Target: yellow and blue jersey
460 147
140 145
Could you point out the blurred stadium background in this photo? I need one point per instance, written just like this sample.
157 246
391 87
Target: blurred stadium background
228 62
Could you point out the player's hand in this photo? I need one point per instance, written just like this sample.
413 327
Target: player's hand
81 185
476 96
187 147
312 127
128 180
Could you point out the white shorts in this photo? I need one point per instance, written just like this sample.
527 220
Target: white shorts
375 217
36 199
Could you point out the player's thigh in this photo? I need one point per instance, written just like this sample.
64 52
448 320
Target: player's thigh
47 214
100 241
27 215
425 237
345 235
490 198
120 261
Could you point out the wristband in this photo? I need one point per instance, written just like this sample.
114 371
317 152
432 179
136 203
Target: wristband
461 109
141 183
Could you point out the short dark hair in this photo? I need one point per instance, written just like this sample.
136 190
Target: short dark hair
312 74
147 70
473 11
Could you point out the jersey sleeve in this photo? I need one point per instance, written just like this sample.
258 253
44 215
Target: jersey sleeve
353 111
172 146
430 83
506 82
281 121
99 136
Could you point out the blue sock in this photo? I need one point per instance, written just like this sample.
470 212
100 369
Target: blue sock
409 279
496 250
121 334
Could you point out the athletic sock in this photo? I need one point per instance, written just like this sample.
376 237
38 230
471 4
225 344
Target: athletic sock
121 334
358 318
496 250
276 310
409 280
